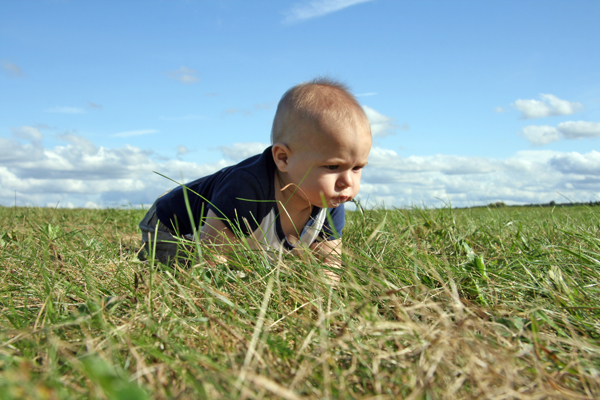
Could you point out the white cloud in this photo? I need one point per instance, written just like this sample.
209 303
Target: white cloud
539 135
11 150
550 105
66 110
81 174
79 142
185 75
584 164
91 204
317 8
526 177
240 151
381 125
135 133
445 164
579 129
499 110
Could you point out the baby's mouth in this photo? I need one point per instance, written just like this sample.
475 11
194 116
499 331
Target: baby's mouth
336 201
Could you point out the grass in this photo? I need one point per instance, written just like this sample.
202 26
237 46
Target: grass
473 303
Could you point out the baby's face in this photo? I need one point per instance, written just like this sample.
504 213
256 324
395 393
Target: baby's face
330 164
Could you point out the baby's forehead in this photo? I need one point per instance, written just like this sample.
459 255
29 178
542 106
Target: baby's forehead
337 134
332 118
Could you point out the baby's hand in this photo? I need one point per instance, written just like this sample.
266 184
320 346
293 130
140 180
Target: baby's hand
331 277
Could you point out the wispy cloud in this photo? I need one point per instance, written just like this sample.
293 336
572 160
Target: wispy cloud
66 110
94 105
233 111
317 8
263 106
27 133
11 69
181 150
189 117
382 125
548 106
135 133
257 107
185 75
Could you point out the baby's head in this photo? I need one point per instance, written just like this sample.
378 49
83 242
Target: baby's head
316 107
321 141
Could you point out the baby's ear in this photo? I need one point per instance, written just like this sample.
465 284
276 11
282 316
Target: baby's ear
281 155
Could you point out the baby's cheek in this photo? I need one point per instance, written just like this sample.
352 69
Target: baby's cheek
327 182
356 187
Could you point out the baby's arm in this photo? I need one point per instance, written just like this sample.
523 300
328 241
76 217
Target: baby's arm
215 233
331 253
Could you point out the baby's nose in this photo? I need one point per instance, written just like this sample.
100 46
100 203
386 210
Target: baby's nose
345 180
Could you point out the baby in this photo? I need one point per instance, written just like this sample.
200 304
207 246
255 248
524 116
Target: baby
291 196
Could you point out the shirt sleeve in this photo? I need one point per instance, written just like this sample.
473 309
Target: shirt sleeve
236 202
338 217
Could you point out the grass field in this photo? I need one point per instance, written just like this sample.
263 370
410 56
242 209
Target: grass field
471 303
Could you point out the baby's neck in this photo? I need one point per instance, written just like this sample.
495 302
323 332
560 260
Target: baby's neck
294 209
289 195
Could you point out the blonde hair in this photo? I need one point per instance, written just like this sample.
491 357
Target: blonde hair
319 103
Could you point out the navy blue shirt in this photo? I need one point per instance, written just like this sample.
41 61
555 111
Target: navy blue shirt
244 196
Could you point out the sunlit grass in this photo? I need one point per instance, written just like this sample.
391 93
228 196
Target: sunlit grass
473 303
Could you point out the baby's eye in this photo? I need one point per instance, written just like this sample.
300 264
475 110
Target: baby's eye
332 167
358 168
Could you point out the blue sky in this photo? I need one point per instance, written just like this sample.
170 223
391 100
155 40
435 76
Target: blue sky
470 102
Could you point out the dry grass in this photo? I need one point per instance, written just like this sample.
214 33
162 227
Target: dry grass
482 303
